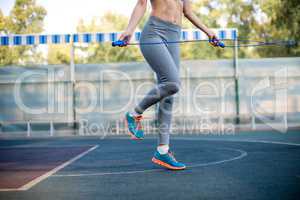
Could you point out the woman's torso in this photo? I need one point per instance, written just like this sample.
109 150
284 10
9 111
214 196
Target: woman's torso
168 10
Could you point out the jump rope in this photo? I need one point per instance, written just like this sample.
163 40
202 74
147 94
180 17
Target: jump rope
216 42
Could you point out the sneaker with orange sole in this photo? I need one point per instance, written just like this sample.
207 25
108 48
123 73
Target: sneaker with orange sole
167 161
134 126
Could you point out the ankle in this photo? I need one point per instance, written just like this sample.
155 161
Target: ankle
163 149
134 113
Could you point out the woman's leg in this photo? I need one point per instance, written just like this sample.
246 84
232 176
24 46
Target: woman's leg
164 116
163 64
161 61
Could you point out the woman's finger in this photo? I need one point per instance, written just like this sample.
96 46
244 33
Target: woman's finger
122 36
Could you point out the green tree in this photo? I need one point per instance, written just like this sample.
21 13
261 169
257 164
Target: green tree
58 54
284 20
2 22
256 20
207 12
25 17
284 15
3 50
98 53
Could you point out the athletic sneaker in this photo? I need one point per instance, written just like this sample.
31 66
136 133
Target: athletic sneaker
168 161
134 126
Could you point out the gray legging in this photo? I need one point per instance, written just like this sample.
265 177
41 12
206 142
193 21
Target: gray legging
164 60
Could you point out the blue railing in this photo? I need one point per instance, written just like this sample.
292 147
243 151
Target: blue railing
43 39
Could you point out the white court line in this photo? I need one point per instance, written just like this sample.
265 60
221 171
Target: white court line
108 173
225 140
274 142
32 183
235 140
241 155
40 146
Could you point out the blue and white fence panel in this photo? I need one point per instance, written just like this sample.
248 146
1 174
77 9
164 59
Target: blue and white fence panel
43 39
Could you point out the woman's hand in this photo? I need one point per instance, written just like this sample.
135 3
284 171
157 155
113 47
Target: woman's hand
190 15
213 39
125 36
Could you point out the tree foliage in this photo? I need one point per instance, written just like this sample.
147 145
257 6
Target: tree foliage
287 18
3 50
255 19
25 17
99 53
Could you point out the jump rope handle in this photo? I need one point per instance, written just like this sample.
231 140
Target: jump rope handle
120 43
221 44
218 42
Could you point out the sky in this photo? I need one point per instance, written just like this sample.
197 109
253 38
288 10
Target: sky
63 15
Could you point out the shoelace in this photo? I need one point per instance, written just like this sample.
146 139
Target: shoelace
172 156
138 121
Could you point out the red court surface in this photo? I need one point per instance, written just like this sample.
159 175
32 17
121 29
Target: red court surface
23 167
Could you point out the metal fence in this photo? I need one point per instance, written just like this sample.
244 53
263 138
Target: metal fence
263 93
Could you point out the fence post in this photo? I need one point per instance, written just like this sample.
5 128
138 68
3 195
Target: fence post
72 79
253 123
117 127
236 79
81 131
51 128
1 126
221 124
28 129
285 123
